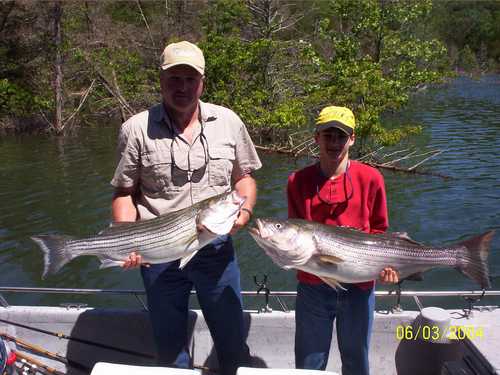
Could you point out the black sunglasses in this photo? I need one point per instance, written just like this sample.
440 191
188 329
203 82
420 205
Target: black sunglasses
347 176
181 176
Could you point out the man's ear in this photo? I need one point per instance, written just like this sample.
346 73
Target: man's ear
203 81
162 80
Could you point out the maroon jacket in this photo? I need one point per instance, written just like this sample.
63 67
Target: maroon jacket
354 199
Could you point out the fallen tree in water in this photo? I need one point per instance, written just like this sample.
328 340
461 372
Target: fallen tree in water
404 160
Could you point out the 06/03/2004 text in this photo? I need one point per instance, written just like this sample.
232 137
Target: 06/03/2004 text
435 333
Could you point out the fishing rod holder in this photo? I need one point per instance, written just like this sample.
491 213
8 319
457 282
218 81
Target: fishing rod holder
471 301
262 287
396 309
73 305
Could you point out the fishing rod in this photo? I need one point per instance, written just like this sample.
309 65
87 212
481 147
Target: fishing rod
36 365
37 349
83 341
94 343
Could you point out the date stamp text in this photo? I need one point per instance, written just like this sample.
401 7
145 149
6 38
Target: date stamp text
437 333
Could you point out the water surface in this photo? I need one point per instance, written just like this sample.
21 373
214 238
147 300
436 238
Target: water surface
61 185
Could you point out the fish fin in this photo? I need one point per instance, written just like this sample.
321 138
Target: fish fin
473 262
330 259
55 253
417 276
185 260
406 237
332 282
106 263
194 237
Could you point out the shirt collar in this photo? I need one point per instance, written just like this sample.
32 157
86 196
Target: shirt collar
321 178
207 114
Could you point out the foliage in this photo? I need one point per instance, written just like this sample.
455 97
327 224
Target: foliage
225 17
467 59
472 29
22 62
248 75
372 56
123 11
275 63
14 100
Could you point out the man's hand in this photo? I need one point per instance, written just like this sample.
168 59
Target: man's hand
134 260
389 276
242 220
246 187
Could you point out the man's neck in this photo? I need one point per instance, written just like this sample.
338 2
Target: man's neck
184 121
332 169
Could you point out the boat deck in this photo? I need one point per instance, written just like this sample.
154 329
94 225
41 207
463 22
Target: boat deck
270 338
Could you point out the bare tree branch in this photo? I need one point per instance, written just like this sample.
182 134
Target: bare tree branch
82 101
146 23
114 90
58 123
426 159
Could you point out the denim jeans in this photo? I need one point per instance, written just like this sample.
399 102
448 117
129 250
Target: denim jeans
215 275
317 307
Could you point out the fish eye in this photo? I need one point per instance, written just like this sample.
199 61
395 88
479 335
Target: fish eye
278 226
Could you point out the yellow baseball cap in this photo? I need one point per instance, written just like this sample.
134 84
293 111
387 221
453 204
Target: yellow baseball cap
336 117
183 53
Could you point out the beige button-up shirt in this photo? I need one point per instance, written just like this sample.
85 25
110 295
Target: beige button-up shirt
150 148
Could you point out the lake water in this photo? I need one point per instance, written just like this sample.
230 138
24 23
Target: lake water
61 185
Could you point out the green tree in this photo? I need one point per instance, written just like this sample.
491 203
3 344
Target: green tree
373 55
469 26
276 63
257 76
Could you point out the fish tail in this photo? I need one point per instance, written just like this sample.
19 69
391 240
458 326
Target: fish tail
473 261
56 254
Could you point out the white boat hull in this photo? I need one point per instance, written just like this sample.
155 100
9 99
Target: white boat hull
270 337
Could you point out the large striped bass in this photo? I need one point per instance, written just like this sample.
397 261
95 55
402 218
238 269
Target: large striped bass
176 235
340 254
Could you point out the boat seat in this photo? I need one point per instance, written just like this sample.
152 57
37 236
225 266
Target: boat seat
280 371
105 368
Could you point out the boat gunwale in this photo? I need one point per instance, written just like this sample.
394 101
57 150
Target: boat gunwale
378 293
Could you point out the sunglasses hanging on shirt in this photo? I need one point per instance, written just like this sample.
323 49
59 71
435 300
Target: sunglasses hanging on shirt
181 176
347 195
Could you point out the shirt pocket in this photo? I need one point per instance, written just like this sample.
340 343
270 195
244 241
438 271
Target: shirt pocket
220 166
156 173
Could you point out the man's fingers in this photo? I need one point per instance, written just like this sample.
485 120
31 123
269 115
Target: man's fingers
389 275
234 229
134 260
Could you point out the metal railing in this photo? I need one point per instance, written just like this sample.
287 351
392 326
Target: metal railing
378 293
471 297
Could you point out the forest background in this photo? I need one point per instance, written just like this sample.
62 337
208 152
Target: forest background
65 64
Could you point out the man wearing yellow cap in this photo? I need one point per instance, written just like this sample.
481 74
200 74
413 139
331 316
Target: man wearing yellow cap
172 156
343 192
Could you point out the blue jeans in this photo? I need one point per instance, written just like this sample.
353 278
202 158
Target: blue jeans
215 275
316 308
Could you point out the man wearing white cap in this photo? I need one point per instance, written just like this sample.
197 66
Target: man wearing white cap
340 192
172 156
